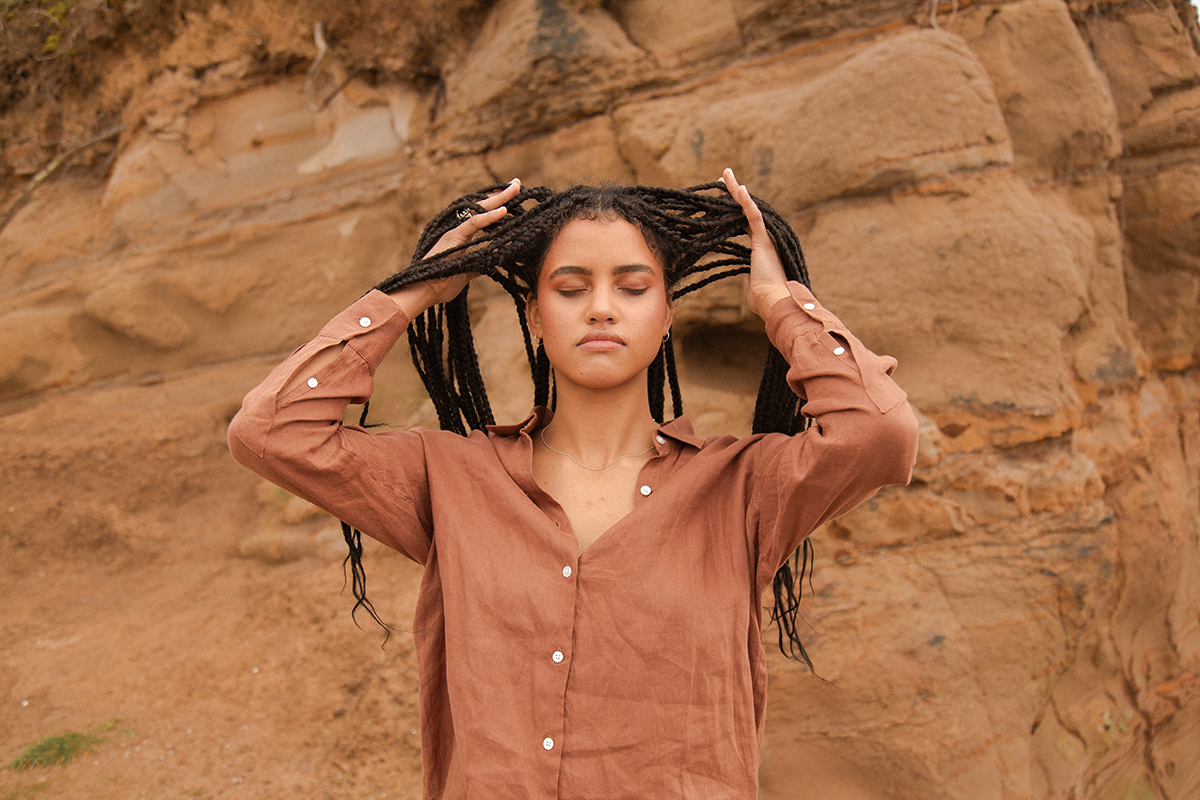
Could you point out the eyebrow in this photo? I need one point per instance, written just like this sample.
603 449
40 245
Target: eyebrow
624 269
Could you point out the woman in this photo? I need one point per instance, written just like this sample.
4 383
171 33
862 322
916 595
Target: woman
589 619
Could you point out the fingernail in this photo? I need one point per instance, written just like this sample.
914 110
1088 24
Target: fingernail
514 180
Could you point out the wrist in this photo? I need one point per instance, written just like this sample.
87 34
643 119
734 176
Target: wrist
413 300
766 298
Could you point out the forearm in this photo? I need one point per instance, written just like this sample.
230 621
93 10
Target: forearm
858 410
414 300
308 393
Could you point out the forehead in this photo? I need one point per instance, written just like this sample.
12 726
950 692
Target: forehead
598 244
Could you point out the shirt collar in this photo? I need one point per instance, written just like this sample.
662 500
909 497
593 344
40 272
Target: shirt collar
680 429
538 418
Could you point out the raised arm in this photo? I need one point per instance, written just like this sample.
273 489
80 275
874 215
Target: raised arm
414 300
289 428
864 434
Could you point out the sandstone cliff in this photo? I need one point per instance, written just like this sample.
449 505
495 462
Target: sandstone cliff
1005 196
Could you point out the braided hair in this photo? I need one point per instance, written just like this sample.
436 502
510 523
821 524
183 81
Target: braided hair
691 231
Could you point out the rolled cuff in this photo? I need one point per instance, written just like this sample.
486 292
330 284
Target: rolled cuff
803 315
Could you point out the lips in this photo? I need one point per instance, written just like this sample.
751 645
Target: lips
601 341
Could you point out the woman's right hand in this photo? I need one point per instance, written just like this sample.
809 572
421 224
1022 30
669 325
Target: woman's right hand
414 300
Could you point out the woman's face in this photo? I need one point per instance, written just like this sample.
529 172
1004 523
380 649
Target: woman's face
601 307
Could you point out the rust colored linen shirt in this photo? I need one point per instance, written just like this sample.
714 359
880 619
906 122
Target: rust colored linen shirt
634 670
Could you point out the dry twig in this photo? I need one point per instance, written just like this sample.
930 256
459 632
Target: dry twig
48 170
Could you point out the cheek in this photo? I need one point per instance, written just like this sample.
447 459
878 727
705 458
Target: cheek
550 312
657 314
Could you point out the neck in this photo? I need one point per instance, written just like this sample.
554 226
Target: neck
596 426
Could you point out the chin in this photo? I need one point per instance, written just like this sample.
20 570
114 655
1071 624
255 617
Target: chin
599 380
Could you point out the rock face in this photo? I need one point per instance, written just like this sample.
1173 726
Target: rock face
1007 200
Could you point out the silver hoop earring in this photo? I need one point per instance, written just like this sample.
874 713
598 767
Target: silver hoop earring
667 338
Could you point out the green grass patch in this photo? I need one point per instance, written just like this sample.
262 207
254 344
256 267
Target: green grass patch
58 749
62 748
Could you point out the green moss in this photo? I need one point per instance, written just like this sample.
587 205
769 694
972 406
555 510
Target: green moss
58 749
60 9
62 748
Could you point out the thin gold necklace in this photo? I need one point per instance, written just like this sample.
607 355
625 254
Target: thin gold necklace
542 435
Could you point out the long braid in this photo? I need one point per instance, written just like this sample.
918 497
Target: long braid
655 376
693 232
673 377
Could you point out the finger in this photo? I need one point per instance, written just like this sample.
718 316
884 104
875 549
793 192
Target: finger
463 232
477 222
740 193
493 201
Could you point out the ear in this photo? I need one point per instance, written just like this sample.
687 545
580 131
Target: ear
670 313
532 316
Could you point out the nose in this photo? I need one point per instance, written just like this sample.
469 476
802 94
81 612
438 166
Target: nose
602 305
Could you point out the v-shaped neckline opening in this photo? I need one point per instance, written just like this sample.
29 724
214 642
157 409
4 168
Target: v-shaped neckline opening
520 470
570 525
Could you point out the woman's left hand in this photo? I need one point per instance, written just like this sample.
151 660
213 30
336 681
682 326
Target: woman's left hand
768 281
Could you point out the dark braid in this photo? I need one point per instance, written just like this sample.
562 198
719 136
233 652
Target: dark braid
693 233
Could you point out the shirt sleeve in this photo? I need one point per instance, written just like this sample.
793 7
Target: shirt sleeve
375 481
863 434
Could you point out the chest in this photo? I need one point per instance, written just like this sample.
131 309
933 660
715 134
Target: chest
550 541
592 501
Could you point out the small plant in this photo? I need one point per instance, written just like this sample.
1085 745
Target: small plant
56 750
62 748
60 9
111 724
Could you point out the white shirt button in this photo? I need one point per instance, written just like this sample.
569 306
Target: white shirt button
645 490
660 440
837 351
566 572
548 743
312 383
809 306
558 656
364 321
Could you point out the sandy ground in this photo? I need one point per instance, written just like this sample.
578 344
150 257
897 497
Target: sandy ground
232 677
125 598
